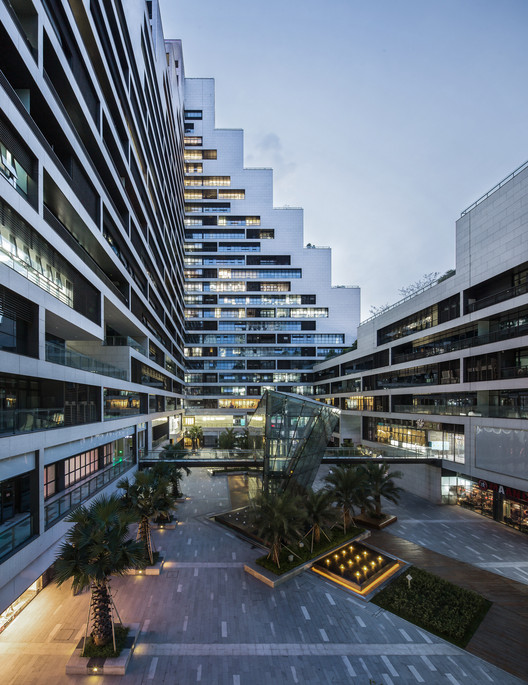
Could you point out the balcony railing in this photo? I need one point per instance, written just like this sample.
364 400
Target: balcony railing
15 535
13 421
443 347
485 410
125 341
504 295
66 357
55 510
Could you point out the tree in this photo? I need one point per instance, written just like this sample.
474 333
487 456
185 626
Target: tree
147 497
424 282
347 487
173 474
380 483
227 439
195 433
98 547
277 520
319 513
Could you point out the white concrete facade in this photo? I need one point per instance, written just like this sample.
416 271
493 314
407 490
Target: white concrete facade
91 262
444 373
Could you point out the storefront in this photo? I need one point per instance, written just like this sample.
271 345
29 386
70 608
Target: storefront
494 500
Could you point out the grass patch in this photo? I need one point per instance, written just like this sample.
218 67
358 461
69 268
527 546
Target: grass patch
91 650
447 610
337 537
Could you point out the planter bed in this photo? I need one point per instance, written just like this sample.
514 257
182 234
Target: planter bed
81 665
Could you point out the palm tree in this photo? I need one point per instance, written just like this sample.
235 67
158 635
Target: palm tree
172 473
319 513
227 439
347 487
277 520
98 547
195 433
147 497
380 483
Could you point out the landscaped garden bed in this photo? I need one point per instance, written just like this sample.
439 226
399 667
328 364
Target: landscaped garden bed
303 554
449 611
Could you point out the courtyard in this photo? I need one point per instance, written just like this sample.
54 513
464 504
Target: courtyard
204 620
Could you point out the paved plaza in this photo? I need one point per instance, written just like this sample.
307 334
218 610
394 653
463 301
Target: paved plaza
204 620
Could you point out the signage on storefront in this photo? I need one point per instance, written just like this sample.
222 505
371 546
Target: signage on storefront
509 493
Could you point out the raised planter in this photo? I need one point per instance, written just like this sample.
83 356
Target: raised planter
171 525
375 523
81 665
154 570
273 580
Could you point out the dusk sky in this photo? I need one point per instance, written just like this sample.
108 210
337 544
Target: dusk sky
382 119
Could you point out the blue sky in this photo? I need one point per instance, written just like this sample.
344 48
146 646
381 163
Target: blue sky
383 119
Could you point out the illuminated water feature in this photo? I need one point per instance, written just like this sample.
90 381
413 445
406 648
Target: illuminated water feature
358 567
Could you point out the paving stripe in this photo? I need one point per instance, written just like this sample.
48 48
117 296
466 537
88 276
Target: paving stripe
330 599
206 564
294 674
405 634
428 663
452 679
486 674
268 649
365 668
425 636
388 680
224 628
199 673
185 623
388 664
305 613
324 635
360 621
236 680
152 669
415 673
350 669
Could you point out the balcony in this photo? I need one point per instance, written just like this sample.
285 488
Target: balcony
125 341
496 298
61 505
489 411
15 421
13 535
76 360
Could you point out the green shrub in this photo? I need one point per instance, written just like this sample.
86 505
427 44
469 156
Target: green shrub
91 650
337 537
447 610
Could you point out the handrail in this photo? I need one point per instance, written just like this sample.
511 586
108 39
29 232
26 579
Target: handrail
14 535
496 187
57 508
77 360
396 304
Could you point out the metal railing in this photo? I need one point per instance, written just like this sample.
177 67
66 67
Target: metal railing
501 296
55 510
77 360
13 421
485 410
15 535
499 185
125 341
206 454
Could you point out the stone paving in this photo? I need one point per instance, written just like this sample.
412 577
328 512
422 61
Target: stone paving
205 621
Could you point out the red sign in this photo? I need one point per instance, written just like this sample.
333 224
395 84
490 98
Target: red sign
509 493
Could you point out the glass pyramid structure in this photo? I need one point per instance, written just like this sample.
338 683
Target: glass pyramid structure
292 432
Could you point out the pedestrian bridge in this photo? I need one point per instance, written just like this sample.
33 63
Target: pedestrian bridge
208 457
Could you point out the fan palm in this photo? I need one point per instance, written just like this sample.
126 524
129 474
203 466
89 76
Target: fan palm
172 473
319 513
195 433
347 487
97 547
146 497
277 519
380 483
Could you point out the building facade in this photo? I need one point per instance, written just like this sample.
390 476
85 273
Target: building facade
444 373
91 263
260 307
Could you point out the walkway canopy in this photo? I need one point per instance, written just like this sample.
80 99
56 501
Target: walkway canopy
292 432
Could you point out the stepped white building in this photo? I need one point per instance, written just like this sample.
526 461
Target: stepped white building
260 306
